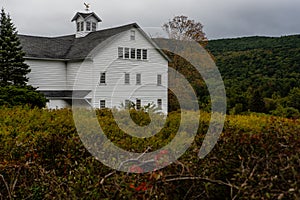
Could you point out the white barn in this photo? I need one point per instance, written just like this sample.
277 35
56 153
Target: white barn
104 68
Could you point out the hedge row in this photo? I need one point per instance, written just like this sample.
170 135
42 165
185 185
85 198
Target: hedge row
42 157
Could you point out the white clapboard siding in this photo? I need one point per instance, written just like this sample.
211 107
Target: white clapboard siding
47 75
115 91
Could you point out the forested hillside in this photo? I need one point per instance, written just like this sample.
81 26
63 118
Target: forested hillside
261 74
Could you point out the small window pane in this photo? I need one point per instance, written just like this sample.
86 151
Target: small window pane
132 35
102 104
138 79
127 78
81 26
78 26
139 54
132 53
94 26
120 52
126 52
159 79
127 104
159 104
138 104
145 54
103 78
88 26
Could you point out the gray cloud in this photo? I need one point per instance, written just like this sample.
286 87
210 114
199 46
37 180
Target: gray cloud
231 18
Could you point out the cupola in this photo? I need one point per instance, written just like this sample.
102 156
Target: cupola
85 23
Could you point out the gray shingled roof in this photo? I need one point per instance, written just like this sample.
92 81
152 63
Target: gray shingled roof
67 47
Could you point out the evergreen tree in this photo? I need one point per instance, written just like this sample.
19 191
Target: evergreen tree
13 70
14 90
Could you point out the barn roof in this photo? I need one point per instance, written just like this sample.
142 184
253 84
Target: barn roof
69 47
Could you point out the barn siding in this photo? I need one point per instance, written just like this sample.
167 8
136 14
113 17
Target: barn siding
116 91
47 75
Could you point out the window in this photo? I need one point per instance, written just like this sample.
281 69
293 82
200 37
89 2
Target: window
159 104
127 104
78 26
145 54
126 52
132 35
102 104
132 53
138 79
138 104
138 54
159 79
120 52
94 26
88 26
127 78
81 26
102 77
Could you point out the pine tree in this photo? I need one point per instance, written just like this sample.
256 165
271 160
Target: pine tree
13 69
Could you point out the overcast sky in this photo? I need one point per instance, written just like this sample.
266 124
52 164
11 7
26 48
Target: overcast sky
221 18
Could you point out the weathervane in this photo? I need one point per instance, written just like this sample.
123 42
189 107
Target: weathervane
87 6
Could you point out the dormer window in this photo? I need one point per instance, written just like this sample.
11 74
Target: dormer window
94 26
78 26
81 26
88 26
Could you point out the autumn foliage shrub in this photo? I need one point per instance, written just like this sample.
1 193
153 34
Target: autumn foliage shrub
42 157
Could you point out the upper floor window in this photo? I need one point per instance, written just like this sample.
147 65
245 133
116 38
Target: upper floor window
103 78
139 54
138 79
94 26
145 54
158 79
132 35
88 26
132 53
127 78
120 52
126 52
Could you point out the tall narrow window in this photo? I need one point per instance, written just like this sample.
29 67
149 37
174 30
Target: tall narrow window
145 54
88 26
127 104
138 79
102 77
158 79
132 35
81 26
78 26
159 104
127 78
132 53
126 52
138 104
102 104
139 54
94 26
120 52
